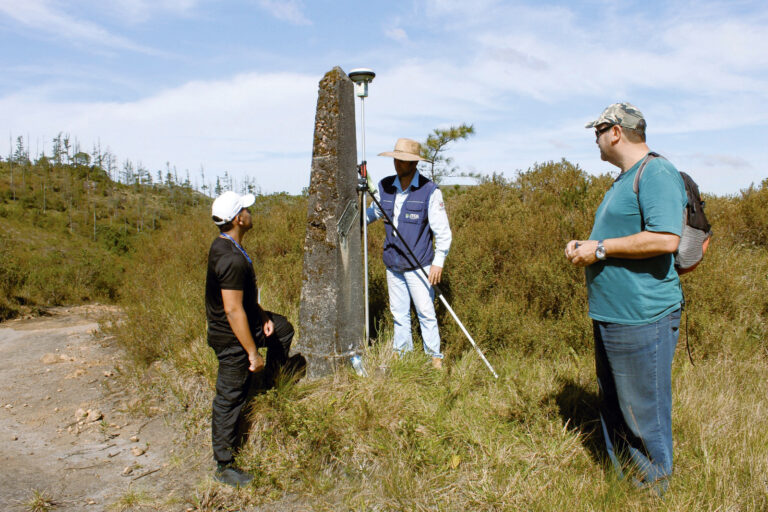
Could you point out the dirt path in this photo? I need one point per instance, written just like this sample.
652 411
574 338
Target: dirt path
68 426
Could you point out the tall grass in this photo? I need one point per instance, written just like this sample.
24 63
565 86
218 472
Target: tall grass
409 438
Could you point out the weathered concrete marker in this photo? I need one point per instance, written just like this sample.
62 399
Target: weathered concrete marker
331 314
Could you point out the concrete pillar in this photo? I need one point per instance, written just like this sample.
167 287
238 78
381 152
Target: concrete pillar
331 314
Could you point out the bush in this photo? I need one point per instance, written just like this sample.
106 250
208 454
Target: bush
506 276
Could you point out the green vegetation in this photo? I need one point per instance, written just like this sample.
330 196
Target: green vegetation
438 165
409 438
67 229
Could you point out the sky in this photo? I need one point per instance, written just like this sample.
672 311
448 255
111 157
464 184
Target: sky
212 86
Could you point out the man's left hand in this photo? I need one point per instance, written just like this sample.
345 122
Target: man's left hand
581 252
435 274
269 328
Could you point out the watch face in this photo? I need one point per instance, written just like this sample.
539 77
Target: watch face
600 252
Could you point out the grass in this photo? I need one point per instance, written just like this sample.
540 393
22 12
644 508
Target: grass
132 499
40 501
410 438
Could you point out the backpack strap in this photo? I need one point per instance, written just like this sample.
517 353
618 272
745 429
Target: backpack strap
650 156
636 184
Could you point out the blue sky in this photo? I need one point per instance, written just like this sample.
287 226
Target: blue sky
232 85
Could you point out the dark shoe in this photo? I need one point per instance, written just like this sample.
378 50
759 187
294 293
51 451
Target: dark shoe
231 475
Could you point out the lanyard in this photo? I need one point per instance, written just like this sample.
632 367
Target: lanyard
238 246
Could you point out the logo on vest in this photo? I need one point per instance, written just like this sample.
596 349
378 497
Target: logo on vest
412 216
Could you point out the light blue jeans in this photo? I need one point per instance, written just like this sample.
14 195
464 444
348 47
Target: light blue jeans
404 286
634 372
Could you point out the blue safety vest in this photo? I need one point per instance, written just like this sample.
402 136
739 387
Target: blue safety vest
412 223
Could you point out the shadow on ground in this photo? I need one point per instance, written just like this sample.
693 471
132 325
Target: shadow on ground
579 409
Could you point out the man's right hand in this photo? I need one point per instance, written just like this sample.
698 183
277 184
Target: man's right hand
256 361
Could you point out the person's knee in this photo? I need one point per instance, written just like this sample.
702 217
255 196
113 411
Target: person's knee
402 319
229 399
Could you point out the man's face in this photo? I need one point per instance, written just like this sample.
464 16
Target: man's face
246 221
404 168
603 133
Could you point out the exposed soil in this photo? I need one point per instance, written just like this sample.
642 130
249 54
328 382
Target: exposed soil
70 429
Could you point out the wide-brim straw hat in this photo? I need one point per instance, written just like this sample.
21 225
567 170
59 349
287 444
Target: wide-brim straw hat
406 149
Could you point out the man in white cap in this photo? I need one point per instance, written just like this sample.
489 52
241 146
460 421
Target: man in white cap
415 205
237 326
634 295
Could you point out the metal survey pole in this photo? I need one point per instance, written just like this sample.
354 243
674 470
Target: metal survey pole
362 77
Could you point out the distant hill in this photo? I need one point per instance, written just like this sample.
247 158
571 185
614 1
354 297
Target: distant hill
67 229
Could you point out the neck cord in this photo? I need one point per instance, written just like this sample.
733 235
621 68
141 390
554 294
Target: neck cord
248 258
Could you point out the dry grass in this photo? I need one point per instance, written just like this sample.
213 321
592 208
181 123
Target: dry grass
410 438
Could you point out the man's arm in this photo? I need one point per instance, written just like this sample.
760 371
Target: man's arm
438 223
238 320
662 201
645 244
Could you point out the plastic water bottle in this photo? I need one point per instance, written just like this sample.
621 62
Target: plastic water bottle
357 364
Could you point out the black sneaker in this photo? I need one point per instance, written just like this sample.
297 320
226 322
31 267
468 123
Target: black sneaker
230 475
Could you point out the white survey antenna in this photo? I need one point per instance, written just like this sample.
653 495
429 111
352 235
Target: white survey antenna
362 77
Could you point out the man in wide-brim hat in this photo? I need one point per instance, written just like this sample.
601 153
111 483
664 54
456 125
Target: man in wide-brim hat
415 205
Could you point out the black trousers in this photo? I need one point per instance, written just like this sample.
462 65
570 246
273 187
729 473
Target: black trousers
234 382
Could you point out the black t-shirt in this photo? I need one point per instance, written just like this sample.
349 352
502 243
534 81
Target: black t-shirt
229 270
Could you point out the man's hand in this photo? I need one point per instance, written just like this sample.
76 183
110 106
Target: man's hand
435 274
256 361
581 252
269 328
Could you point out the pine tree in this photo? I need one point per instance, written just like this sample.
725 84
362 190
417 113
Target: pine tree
434 148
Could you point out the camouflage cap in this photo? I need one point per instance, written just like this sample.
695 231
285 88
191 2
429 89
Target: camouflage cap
622 114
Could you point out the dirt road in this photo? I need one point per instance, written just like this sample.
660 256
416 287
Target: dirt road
69 429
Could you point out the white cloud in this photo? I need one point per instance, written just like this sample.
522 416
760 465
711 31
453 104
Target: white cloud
397 34
260 125
728 161
138 11
40 15
286 10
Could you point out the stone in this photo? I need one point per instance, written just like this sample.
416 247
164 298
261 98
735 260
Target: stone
93 415
134 439
49 358
331 311
137 451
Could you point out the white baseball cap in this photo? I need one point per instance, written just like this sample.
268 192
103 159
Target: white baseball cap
228 205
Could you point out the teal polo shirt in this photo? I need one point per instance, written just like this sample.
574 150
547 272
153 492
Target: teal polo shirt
637 292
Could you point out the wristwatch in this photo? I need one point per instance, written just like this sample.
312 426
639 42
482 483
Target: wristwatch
600 251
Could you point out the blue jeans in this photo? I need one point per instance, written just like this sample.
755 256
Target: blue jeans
404 286
634 372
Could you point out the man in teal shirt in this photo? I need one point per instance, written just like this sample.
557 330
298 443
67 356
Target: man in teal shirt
634 296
